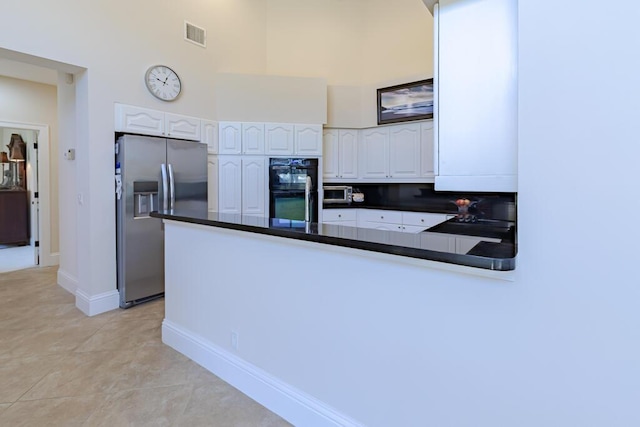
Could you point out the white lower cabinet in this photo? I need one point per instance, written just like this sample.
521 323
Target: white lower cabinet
242 185
254 185
230 184
452 243
212 183
438 242
340 216
416 222
344 217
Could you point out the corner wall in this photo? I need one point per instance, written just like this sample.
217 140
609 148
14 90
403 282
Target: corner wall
35 103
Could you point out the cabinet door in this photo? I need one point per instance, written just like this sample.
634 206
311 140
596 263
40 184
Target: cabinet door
278 139
254 187
374 153
230 138
209 135
477 152
438 242
253 138
348 153
308 140
230 184
404 151
331 159
183 127
427 150
212 182
423 219
139 120
339 215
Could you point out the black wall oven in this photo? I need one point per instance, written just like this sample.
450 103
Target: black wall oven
289 194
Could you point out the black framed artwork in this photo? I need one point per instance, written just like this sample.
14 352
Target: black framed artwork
405 102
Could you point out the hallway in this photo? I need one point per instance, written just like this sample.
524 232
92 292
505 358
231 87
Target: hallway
61 368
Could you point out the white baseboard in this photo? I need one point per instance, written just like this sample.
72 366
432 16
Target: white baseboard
96 304
67 281
293 405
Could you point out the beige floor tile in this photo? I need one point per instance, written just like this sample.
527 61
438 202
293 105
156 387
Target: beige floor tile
158 366
123 333
149 407
18 375
81 374
219 404
67 412
49 340
110 370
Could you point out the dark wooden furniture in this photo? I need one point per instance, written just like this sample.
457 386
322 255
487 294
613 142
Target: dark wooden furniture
14 217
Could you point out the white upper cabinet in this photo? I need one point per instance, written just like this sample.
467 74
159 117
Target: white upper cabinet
209 134
373 152
476 87
183 127
340 160
230 138
278 139
404 151
252 138
307 140
140 120
427 150
145 121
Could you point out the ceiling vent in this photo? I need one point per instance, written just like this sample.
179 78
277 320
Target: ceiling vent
195 34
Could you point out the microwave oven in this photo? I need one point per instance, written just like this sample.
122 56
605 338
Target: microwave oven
337 194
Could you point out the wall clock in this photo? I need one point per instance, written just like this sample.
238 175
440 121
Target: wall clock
163 82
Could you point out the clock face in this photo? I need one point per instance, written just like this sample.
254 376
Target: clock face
163 82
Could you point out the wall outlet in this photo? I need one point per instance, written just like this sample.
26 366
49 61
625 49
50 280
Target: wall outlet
234 340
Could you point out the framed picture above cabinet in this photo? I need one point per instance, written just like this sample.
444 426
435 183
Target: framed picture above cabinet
405 102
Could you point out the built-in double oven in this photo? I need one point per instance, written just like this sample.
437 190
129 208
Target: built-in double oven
293 189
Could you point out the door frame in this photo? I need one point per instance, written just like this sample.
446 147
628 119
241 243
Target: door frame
43 227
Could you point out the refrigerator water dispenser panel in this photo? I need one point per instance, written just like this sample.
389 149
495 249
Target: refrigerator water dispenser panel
145 198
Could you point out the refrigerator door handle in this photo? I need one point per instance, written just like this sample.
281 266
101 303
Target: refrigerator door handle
165 187
172 188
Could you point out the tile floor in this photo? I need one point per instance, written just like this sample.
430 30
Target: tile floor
61 368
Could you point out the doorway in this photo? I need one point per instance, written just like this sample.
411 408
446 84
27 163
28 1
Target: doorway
34 250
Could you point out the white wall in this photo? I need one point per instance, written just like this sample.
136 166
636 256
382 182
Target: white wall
116 42
357 46
279 99
558 346
27 102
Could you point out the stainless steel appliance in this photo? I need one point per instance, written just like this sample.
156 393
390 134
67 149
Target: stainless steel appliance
293 189
152 174
337 194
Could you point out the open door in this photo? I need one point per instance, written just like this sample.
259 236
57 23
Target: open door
32 188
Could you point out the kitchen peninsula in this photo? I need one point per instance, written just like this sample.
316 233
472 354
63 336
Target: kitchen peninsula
495 249
294 314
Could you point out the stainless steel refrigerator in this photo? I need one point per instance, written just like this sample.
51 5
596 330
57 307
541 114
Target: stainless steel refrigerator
155 174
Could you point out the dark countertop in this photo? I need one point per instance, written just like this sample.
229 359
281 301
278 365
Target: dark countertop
492 257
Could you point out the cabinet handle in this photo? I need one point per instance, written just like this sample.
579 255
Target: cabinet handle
422 220
339 216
